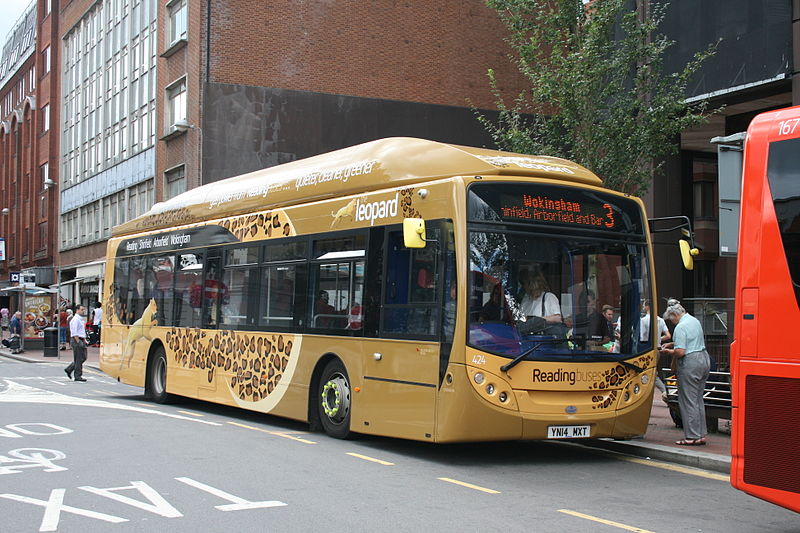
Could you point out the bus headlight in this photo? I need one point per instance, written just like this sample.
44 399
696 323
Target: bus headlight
490 389
503 397
636 389
478 378
645 379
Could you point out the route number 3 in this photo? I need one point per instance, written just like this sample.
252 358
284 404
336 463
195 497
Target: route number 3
788 127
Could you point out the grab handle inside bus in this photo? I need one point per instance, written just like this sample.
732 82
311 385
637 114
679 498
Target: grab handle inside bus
414 232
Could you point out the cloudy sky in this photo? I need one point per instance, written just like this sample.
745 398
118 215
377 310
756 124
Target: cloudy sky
10 12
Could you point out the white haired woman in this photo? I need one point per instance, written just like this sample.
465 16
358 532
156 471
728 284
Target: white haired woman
693 365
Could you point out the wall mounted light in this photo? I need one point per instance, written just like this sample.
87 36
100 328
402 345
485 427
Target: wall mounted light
5 211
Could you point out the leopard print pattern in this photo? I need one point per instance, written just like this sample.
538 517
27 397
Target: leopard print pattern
613 377
173 217
252 364
115 307
407 203
260 226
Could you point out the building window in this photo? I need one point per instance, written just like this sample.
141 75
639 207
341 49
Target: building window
45 117
45 61
704 278
175 181
177 21
176 103
44 172
704 176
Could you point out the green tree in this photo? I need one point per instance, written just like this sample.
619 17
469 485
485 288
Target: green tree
598 94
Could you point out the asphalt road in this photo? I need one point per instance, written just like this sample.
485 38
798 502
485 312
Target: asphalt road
95 456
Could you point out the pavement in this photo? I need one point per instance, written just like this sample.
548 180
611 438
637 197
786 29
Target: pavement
657 444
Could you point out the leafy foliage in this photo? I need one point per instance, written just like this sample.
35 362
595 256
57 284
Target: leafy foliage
598 94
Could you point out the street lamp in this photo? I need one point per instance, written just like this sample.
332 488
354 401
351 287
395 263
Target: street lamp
5 211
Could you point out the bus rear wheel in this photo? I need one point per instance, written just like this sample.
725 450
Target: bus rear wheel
333 400
157 377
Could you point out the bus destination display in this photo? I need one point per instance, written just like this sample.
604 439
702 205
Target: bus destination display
557 205
545 209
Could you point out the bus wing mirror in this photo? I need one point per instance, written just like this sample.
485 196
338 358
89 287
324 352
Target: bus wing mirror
414 232
687 254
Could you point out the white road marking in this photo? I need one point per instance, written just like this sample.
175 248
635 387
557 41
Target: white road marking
55 504
238 504
31 458
158 505
56 430
18 393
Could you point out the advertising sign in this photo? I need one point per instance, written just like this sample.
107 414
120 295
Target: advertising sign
38 314
2 249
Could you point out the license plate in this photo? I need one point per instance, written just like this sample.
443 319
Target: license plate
568 432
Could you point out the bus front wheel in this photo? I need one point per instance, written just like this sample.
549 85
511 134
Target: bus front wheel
333 400
157 377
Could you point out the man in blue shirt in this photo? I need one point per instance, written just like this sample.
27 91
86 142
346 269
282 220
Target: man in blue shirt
693 366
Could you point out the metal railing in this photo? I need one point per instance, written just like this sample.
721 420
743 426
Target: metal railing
715 315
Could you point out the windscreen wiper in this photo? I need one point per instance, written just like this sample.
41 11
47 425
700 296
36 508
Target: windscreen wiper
511 364
626 364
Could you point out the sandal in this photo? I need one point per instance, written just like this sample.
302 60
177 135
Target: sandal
691 442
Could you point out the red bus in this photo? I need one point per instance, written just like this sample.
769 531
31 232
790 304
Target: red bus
765 355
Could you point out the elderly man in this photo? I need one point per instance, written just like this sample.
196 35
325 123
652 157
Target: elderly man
693 367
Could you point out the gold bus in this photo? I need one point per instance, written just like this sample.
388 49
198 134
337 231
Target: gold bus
401 287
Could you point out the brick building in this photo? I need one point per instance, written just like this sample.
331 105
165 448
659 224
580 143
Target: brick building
246 86
29 142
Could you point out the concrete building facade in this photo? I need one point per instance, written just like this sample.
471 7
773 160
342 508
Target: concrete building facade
108 131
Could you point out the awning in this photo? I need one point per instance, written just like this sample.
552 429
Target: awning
29 290
68 282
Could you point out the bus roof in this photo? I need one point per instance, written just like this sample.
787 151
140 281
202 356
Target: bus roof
375 165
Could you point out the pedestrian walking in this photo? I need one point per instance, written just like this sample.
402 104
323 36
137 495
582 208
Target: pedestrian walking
63 327
15 329
97 321
77 332
693 365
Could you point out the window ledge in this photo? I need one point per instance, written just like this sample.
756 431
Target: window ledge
173 133
174 47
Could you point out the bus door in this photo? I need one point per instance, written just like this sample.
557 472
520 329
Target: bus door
401 369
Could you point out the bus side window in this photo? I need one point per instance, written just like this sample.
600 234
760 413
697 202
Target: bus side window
188 289
138 284
215 292
336 291
240 277
163 290
121 290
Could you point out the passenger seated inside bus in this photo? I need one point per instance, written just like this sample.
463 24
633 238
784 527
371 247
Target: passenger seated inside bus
495 308
326 315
